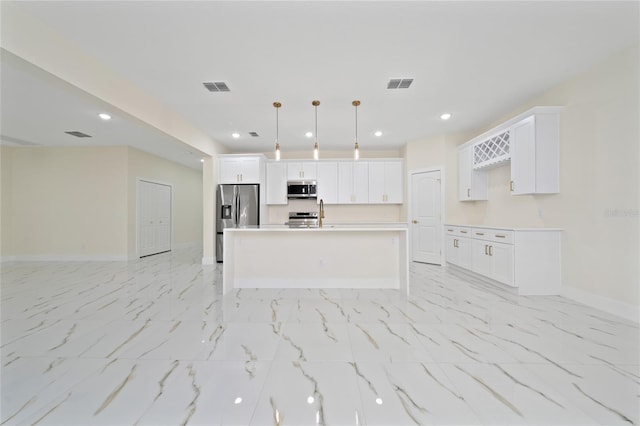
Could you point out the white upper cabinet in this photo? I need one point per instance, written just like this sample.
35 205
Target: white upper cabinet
535 145
472 184
529 141
239 169
385 182
302 170
327 174
276 183
353 182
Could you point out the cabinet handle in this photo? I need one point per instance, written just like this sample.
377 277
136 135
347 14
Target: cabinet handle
490 250
450 230
486 249
479 233
511 186
463 232
500 236
468 192
455 243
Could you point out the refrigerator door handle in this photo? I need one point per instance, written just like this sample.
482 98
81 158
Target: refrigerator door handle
237 209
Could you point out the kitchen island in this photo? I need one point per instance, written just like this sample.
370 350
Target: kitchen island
350 256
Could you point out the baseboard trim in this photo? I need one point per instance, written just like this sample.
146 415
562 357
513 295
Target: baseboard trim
188 245
69 258
610 306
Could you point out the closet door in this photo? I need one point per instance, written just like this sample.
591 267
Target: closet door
154 218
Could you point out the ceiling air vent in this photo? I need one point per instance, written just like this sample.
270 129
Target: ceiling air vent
399 83
78 134
218 86
5 138
254 134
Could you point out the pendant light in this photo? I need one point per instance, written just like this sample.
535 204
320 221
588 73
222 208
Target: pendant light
316 153
356 148
277 105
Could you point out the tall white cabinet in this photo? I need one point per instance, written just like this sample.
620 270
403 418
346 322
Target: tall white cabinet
353 182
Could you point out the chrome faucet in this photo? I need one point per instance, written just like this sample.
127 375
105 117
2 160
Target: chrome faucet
321 215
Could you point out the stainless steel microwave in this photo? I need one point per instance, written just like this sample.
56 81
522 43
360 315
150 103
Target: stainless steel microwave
302 189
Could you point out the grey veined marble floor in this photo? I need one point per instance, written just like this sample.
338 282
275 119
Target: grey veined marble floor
153 342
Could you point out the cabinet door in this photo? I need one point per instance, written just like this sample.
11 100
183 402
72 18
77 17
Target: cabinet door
472 184
345 182
393 177
480 259
464 173
276 183
377 193
464 253
228 170
450 249
360 182
502 262
327 174
309 170
249 169
294 171
523 157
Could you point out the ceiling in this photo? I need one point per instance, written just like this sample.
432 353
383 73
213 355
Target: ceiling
476 60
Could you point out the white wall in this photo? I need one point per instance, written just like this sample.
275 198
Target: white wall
66 203
599 183
78 203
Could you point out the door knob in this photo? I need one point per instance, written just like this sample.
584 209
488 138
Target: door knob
415 221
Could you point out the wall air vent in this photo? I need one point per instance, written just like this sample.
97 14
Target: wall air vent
399 83
254 134
78 134
218 86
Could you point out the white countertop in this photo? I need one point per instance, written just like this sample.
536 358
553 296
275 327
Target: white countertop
374 226
502 228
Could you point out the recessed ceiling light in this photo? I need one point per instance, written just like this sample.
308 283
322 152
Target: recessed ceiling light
378 133
445 116
235 135
308 134
104 116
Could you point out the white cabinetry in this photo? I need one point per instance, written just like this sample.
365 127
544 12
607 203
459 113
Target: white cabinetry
302 170
492 258
239 169
472 184
528 259
458 246
535 154
385 182
327 173
353 182
276 183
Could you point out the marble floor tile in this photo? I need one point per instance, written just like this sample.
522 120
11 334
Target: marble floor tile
155 342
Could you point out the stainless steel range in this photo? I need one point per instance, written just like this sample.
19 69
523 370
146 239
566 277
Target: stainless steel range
303 220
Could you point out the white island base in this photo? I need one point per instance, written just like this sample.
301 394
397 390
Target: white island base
346 257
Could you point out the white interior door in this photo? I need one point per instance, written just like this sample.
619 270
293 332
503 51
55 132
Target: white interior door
426 220
154 218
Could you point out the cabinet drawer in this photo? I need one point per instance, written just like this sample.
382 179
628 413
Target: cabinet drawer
482 234
451 230
464 232
500 236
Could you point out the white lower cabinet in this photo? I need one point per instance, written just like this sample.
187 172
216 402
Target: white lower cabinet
528 259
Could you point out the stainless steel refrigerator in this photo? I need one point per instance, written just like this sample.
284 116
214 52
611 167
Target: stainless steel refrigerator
236 206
